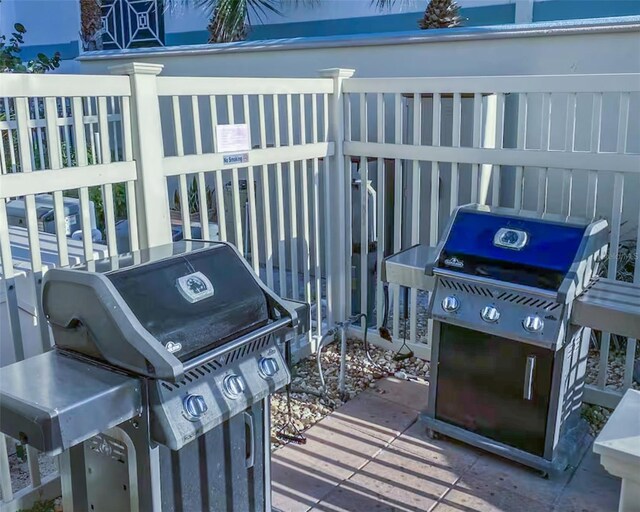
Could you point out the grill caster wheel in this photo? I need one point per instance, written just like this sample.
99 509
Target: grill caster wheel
432 434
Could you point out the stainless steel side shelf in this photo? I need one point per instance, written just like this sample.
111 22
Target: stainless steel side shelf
609 306
407 268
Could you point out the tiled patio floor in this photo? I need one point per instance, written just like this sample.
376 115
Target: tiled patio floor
372 455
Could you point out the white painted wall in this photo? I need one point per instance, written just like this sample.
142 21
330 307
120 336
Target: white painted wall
588 52
554 53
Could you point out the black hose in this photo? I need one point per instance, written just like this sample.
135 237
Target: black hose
385 294
383 330
405 313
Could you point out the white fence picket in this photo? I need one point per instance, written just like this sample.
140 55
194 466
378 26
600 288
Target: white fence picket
380 206
364 214
293 214
416 210
251 197
316 208
306 220
266 199
397 208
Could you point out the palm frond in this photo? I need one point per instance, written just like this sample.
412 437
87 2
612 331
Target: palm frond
385 5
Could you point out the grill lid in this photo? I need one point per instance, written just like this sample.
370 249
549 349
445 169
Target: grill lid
540 251
194 302
153 311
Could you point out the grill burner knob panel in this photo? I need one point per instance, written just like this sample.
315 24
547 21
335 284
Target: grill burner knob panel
533 323
490 314
268 367
450 304
194 405
233 386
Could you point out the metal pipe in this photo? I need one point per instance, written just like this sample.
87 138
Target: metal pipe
343 359
329 333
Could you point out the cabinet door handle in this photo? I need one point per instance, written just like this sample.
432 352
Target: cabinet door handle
529 371
248 421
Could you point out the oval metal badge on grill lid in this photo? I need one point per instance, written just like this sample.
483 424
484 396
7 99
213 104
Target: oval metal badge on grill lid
195 287
172 347
454 262
508 238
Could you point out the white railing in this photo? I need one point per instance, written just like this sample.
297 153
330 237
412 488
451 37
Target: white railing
64 136
562 144
124 144
141 149
272 208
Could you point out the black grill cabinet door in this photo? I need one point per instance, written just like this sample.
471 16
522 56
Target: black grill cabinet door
481 387
212 473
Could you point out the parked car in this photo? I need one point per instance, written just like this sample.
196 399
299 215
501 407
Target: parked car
122 233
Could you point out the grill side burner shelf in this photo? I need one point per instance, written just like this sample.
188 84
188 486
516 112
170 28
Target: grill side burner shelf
157 391
609 306
513 298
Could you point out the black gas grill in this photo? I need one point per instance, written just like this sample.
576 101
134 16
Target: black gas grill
508 365
157 390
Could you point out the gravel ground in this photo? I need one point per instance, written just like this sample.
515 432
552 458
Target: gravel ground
597 416
308 407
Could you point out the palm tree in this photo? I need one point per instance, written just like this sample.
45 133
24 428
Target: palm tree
230 19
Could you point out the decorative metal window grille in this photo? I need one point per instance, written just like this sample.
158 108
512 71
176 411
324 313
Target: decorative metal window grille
132 24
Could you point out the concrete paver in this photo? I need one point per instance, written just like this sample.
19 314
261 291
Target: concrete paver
373 455
411 394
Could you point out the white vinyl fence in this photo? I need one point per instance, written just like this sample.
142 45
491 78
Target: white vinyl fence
311 219
100 139
527 142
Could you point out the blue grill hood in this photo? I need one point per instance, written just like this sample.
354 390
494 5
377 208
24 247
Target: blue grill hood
542 251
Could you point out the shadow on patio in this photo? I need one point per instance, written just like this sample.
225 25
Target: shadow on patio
373 455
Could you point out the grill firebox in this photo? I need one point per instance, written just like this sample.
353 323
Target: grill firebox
157 391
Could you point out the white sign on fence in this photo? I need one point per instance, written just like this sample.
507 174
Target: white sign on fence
232 137
238 158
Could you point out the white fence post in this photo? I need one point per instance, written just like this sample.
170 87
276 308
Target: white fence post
152 200
337 215
488 141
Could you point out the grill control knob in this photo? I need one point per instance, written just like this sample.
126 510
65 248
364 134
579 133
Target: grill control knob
533 323
268 366
450 304
233 386
490 314
194 405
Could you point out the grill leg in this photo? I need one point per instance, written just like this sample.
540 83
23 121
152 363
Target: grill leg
73 479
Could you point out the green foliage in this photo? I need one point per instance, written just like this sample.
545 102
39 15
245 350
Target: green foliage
194 197
41 506
229 19
441 14
11 62
626 262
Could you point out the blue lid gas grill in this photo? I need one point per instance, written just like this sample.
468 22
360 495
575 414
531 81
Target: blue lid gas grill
157 390
507 366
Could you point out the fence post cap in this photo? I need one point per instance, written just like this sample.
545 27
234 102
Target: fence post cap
337 73
141 68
